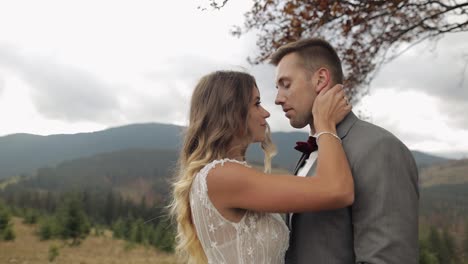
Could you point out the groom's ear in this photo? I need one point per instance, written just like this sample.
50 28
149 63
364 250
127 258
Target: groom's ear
323 79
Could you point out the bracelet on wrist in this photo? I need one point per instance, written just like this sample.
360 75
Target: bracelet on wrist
317 135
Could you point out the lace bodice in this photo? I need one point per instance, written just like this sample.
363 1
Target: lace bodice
258 238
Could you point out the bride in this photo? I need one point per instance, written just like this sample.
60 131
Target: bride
228 212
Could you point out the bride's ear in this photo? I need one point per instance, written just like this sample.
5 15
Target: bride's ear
322 79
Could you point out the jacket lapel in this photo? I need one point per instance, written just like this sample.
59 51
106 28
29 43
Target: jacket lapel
342 130
300 163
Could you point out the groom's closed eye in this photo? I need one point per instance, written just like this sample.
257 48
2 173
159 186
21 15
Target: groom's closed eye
280 83
283 83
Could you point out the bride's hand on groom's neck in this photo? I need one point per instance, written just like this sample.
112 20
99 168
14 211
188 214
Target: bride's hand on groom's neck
330 107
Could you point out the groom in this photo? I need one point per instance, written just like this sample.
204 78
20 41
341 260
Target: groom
381 227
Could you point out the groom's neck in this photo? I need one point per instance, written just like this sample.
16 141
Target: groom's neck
312 128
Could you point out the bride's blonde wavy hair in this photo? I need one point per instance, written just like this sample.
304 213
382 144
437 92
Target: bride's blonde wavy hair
218 113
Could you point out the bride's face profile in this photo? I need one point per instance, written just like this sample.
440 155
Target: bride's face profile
257 116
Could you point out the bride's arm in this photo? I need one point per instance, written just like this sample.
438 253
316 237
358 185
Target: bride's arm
236 186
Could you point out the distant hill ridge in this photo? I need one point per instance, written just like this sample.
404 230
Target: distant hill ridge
25 153
132 172
451 172
135 173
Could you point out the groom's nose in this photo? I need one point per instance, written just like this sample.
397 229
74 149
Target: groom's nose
279 100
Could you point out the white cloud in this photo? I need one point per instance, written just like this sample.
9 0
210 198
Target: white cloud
114 63
2 86
416 119
437 69
18 114
59 91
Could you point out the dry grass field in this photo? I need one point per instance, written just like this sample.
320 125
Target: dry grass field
28 249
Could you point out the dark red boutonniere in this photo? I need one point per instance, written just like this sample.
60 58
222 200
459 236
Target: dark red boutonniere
307 147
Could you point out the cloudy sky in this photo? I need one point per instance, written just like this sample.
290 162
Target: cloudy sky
80 66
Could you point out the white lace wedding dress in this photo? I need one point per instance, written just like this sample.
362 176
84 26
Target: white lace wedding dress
258 238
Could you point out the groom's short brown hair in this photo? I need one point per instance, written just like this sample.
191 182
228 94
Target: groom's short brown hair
315 53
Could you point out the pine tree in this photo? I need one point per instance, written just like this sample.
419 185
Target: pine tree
47 228
137 235
426 257
165 236
50 203
73 221
8 233
143 208
465 244
87 204
449 247
127 230
4 218
30 216
151 235
434 241
109 210
118 229
440 245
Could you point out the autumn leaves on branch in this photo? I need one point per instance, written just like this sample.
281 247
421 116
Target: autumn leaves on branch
365 33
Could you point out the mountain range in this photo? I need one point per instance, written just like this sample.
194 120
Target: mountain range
138 161
24 154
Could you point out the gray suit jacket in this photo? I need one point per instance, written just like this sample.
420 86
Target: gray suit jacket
382 224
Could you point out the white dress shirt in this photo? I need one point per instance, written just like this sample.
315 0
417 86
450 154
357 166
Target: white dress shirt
305 169
308 164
